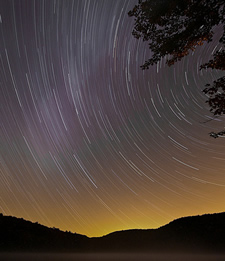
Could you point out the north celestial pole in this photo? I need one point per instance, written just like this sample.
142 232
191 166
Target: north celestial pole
91 143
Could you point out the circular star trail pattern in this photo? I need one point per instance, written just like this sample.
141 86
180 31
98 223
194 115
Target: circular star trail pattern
91 143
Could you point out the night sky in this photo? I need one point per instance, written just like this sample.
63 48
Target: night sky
91 143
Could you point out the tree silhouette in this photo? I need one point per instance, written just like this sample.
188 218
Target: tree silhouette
173 28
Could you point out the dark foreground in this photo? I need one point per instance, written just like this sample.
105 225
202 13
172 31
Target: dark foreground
109 256
194 235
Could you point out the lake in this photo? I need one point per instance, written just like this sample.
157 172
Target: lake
108 257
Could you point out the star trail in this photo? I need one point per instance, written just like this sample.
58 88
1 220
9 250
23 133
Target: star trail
91 143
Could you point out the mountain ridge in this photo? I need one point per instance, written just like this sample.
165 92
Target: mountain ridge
202 233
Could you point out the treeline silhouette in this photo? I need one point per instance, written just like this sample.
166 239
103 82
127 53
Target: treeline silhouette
19 235
197 234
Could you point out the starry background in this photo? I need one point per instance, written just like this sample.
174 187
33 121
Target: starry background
91 143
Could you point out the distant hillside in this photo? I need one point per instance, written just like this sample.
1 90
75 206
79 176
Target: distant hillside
204 233
17 234
189 234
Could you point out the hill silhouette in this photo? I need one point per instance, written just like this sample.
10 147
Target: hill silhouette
19 235
197 234
204 234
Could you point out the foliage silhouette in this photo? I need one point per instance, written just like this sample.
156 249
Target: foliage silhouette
174 28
